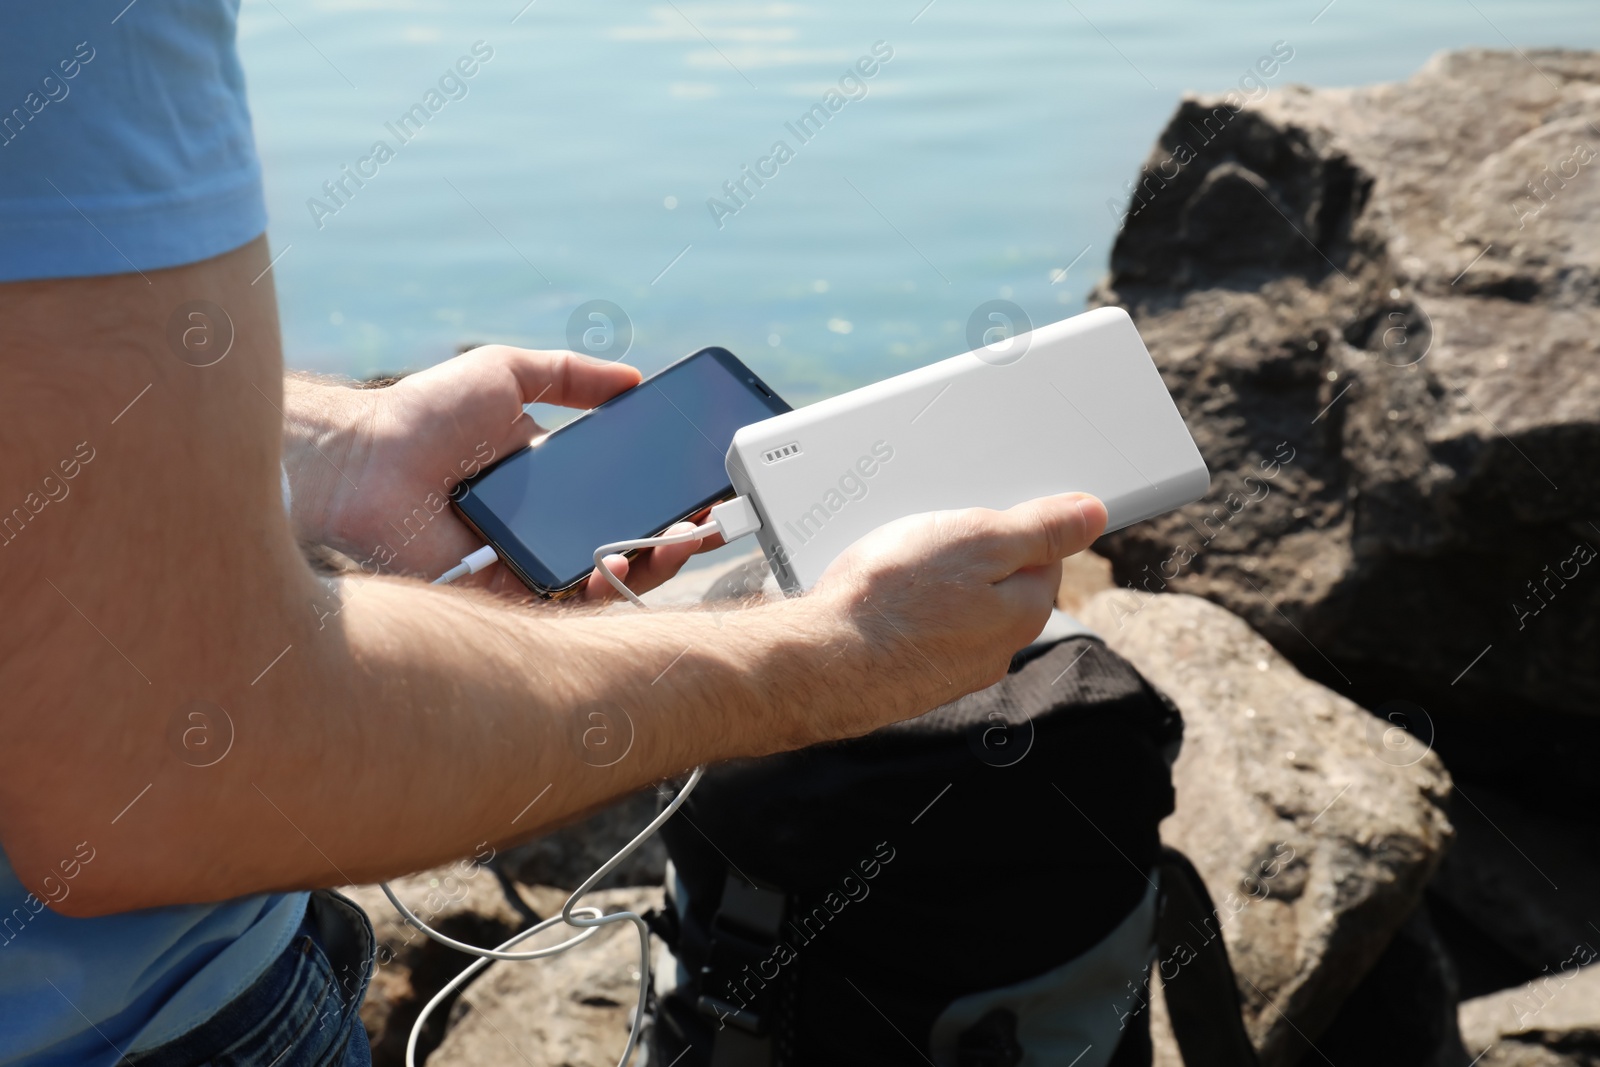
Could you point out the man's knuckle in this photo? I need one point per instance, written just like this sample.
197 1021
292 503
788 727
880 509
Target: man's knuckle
1050 533
561 373
971 526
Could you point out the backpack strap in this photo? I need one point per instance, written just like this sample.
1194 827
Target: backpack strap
731 959
1202 996
744 935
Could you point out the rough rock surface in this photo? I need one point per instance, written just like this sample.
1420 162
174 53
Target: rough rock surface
1404 1010
573 1010
1379 310
464 901
1551 1022
1082 576
1314 837
1403 1013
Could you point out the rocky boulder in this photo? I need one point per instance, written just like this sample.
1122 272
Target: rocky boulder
1551 1022
567 1009
466 901
1379 310
574 1009
1315 833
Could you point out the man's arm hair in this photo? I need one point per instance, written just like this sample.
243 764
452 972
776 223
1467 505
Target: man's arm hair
184 697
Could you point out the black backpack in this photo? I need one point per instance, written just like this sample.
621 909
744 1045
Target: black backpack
920 895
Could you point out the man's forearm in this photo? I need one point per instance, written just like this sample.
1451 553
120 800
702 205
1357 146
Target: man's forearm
420 722
185 695
390 726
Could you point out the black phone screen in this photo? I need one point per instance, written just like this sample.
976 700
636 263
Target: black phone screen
629 468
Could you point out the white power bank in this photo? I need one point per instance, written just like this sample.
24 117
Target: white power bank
1083 409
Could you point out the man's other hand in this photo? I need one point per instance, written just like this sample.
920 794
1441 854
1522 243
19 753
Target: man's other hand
948 597
371 470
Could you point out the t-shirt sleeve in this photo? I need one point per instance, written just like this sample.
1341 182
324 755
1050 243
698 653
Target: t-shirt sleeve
125 139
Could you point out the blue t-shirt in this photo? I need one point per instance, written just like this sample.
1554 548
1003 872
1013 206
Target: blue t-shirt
125 141
125 144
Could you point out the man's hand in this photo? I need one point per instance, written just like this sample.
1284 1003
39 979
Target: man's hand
371 470
946 598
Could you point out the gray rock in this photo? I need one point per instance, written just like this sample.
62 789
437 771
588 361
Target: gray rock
1400 1015
1082 576
464 901
574 1009
1314 837
1404 1010
1553 1021
1384 340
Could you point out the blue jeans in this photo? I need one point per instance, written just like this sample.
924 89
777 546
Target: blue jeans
304 1010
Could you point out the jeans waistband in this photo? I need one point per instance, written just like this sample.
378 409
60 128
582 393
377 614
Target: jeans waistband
307 1002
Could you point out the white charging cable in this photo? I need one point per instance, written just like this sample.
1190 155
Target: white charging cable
732 519
588 919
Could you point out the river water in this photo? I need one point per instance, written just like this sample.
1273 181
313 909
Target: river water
586 154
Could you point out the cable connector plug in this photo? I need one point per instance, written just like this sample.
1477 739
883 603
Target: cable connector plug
735 518
470 564
732 519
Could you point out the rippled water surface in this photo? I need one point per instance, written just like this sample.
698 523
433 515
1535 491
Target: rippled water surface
982 159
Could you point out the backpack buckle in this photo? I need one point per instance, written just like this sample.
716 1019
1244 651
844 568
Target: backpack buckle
743 934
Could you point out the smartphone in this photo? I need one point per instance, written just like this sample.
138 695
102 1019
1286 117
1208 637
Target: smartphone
630 468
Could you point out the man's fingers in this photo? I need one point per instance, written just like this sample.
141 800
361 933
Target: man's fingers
646 570
567 378
596 588
655 566
522 432
1038 533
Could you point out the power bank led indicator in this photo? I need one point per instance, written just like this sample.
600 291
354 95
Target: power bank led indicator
781 452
